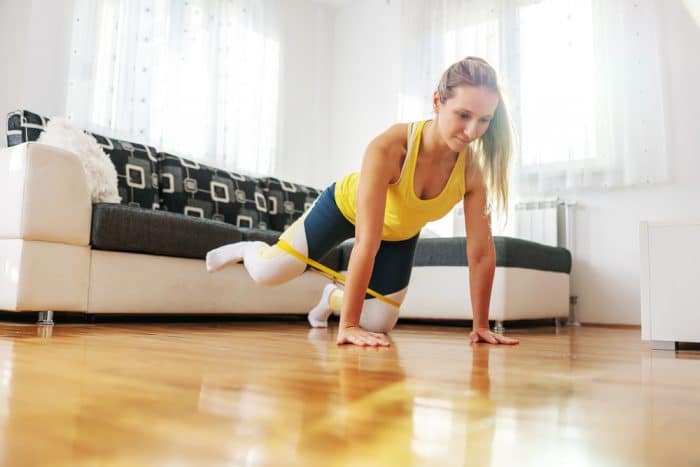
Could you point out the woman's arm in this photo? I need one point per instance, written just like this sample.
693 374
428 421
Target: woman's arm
380 166
481 257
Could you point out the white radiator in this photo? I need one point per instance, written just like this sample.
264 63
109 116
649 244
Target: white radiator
547 221
550 222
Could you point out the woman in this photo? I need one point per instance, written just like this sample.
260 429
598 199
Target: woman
411 174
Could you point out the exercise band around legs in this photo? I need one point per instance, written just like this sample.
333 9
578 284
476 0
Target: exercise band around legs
328 272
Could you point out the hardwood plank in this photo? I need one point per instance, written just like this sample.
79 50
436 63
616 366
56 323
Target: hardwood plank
265 393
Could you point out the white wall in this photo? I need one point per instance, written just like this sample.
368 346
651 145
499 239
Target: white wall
606 254
306 76
35 37
34 48
366 51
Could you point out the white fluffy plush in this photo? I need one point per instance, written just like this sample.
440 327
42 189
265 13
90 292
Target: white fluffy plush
99 169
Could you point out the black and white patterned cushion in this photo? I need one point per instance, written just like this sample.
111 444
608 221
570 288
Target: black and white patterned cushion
23 126
286 202
137 168
136 164
199 190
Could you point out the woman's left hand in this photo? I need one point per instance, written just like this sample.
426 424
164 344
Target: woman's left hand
485 335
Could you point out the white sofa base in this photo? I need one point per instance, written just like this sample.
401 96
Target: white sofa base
137 283
442 292
39 276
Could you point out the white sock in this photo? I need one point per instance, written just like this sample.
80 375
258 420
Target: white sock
318 316
226 255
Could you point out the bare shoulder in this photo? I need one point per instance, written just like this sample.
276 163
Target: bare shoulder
393 140
387 151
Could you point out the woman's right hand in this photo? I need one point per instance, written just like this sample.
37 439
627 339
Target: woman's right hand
358 336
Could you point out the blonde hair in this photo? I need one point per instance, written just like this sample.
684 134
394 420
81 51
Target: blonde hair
495 146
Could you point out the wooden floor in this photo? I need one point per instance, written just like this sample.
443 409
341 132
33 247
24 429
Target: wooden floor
264 393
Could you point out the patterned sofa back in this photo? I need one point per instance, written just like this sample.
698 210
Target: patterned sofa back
158 180
195 189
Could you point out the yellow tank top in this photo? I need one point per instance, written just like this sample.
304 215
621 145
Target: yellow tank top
405 213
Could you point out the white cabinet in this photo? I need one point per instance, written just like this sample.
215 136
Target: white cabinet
670 282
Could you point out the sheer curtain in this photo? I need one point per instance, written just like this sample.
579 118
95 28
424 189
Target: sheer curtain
196 77
582 76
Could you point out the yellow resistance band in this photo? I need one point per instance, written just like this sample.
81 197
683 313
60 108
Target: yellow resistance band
328 272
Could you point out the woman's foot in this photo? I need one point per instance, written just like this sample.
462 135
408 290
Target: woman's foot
318 316
225 255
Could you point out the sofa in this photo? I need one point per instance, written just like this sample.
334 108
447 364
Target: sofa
61 252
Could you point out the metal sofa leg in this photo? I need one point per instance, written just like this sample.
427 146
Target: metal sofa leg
45 318
573 300
498 327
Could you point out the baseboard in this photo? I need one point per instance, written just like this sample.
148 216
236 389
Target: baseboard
612 325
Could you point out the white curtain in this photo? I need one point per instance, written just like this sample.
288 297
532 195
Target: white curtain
582 79
199 78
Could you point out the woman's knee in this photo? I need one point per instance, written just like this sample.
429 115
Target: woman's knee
379 316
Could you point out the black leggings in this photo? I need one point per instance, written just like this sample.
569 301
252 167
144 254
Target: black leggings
326 227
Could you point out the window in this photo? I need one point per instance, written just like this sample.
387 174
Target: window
199 79
556 84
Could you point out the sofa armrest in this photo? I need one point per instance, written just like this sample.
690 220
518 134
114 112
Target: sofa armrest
44 195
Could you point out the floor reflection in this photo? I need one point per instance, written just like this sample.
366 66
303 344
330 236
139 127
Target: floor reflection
456 427
281 395
338 397
363 400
